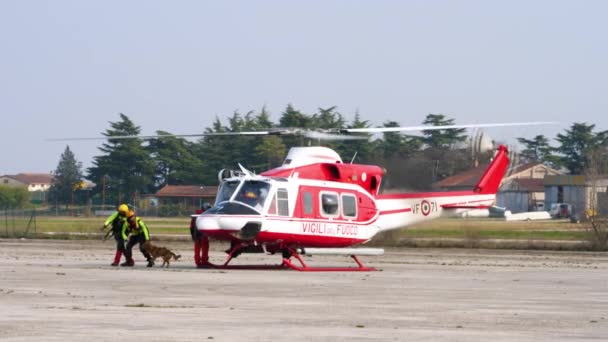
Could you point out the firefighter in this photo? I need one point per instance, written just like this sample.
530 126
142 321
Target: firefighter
201 241
116 222
139 234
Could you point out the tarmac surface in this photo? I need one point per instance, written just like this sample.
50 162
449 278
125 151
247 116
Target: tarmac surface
54 290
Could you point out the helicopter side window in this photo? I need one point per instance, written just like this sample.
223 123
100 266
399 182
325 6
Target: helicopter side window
226 191
307 201
283 202
329 204
349 205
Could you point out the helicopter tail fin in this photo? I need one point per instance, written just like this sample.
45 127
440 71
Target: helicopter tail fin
490 181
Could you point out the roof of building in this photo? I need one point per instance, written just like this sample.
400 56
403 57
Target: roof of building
522 167
187 191
565 180
32 178
468 178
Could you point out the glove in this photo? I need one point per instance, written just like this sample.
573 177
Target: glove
109 233
104 227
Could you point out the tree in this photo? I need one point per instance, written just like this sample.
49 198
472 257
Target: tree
126 167
66 178
576 143
270 152
538 149
13 196
443 138
328 118
174 160
360 150
292 118
391 143
596 208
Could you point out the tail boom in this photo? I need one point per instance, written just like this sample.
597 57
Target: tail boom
400 210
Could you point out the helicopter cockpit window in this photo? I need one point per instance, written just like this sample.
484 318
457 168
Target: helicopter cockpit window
329 204
253 193
226 191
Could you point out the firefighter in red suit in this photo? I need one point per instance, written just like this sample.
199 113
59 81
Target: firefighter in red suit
201 241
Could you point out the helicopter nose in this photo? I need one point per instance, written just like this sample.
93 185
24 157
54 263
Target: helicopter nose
240 227
207 223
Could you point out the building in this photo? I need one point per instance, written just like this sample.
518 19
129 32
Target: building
521 195
37 184
521 189
33 181
189 196
579 191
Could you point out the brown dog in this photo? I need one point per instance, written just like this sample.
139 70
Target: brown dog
161 252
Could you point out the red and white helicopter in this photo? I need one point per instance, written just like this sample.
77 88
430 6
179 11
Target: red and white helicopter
316 204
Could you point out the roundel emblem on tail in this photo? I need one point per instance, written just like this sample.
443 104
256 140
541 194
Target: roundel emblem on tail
425 207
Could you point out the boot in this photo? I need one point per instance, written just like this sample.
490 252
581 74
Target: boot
128 263
117 258
197 257
150 263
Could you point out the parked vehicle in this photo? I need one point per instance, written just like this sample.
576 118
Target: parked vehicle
561 210
539 206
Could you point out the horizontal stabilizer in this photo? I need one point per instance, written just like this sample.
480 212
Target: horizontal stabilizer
342 251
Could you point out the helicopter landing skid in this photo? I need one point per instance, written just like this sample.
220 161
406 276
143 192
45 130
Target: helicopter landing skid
305 268
288 264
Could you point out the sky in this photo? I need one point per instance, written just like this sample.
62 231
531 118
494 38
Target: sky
67 68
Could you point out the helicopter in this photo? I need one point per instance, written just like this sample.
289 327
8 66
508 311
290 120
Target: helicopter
315 204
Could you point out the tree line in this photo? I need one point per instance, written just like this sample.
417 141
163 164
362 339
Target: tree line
126 168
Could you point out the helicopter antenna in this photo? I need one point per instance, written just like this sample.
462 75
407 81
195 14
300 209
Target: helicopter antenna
355 156
245 171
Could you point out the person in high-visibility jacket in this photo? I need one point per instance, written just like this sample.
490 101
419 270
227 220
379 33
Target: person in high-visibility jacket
138 234
117 221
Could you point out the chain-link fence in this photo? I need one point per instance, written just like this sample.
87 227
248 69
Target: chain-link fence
18 223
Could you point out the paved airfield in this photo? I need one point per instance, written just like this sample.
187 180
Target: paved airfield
63 291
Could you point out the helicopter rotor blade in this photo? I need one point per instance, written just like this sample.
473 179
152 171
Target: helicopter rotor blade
279 131
331 136
326 134
432 128
210 134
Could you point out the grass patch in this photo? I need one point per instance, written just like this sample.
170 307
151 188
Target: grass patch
488 233
179 225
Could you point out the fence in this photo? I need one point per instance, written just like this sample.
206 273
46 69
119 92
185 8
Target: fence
18 223
162 210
